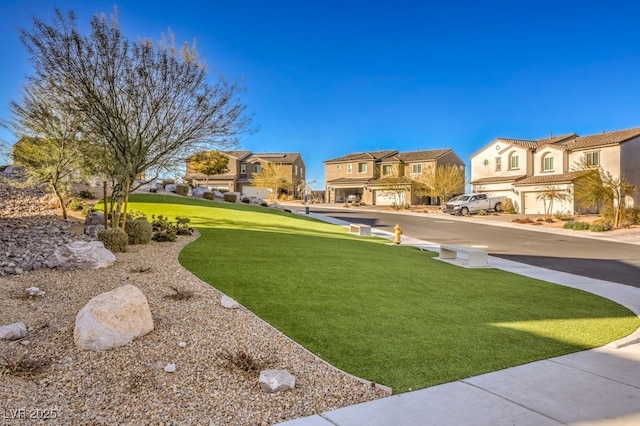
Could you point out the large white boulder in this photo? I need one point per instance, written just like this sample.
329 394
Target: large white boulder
81 255
199 191
113 319
276 380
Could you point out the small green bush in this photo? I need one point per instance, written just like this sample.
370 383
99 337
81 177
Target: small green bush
182 189
482 213
230 198
182 226
580 226
598 227
139 231
163 230
209 196
114 239
76 206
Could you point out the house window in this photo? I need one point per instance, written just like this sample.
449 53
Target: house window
339 166
547 163
362 167
295 170
387 170
498 164
243 169
302 172
514 162
592 158
349 168
416 169
257 168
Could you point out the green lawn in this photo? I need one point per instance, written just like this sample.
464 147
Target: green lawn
393 315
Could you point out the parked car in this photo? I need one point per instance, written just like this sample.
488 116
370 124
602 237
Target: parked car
473 203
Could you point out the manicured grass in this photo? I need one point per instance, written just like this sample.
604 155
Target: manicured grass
389 314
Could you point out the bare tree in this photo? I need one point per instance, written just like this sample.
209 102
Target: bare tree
145 106
51 146
274 177
208 163
441 182
395 187
596 187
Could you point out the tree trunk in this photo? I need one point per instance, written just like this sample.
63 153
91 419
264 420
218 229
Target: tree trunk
61 200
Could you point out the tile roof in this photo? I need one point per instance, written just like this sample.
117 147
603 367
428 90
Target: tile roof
550 179
603 139
497 179
347 181
431 154
237 154
374 155
275 157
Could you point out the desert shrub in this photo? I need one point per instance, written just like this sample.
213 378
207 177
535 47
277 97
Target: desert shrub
76 205
523 220
163 230
166 182
139 230
180 294
508 207
230 198
562 216
88 209
580 226
209 195
85 194
598 227
182 226
568 224
240 360
182 189
114 239
630 216
482 213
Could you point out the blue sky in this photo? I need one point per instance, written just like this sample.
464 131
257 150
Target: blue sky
326 78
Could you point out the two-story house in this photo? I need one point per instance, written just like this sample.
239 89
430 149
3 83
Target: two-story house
242 167
522 169
383 177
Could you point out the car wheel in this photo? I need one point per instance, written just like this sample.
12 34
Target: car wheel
498 207
464 211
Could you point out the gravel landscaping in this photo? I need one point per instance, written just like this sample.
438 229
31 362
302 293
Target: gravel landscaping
45 375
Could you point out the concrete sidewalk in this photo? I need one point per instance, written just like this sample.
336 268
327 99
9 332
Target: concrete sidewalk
598 386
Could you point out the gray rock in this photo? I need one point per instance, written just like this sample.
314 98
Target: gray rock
199 191
170 368
228 302
93 230
113 319
14 331
94 218
276 380
81 255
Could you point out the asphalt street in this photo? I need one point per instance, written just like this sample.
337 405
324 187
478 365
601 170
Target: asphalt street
600 259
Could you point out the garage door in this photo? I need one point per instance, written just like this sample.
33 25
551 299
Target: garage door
383 198
531 205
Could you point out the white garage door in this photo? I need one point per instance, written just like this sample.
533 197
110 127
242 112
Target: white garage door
531 205
384 198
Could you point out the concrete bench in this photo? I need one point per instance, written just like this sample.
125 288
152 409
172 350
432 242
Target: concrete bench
476 256
356 228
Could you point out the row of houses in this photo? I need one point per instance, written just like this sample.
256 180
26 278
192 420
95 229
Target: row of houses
516 168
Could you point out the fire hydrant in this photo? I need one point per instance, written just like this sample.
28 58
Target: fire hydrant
397 232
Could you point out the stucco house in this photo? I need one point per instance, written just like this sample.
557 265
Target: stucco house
241 168
383 177
520 169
